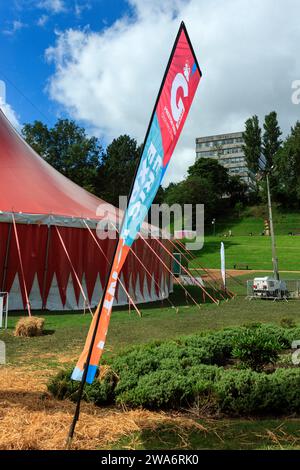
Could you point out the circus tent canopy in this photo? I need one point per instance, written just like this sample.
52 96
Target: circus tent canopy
42 201
29 185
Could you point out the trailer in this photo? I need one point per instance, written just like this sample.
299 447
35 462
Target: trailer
269 288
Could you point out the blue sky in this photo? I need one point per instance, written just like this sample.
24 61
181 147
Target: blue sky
101 62
28 28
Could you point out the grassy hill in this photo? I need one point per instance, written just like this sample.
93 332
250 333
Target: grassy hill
252 219
252 251
255 250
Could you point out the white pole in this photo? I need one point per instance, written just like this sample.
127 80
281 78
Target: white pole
274 255
6 311
1 311
223 267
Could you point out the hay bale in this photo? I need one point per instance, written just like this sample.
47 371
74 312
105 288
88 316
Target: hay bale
29 326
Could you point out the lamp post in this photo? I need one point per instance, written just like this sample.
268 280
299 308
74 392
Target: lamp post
274 255
214 226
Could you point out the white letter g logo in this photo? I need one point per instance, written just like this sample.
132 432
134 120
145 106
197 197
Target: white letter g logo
179 82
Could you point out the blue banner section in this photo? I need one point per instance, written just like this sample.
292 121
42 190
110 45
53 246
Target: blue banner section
77 374
147 182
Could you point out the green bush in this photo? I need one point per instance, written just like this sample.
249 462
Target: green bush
159 389
290 334
255 348
214 348
171 389
100 392
247 392
252 325
235 392
189 372
284 336
62 387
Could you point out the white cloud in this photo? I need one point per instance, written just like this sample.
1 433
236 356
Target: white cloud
247 49
7 109
42 20
15 26
54 6
10 114
80 7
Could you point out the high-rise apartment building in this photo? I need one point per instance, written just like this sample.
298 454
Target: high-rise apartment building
228 150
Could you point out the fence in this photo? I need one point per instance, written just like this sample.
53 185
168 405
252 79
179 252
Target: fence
3 308
292 286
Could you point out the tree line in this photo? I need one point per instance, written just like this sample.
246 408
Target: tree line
108 171
105 172
265 151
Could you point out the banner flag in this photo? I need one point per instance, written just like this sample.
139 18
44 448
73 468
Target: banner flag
223 268
174 100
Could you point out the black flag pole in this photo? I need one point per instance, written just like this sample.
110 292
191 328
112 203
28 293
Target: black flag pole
100 307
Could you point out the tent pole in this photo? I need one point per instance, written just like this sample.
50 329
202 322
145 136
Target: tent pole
149 274
186 271
21 265
206 270
44 301
169 270
218 291
119 280
5 267
74 270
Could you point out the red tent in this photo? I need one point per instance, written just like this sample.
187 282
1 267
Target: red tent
46 249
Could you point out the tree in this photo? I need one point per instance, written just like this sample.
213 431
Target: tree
271 138
287 167
68 149
195 190
253 145
173 194
37 135
212 171
119 164
237 190
238 208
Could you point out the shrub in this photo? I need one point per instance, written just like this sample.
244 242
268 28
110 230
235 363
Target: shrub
29 327
290 334
62 387
159 389
277 333
252 325
214 348
171 389
251 393
100 392
203 379
288 386
255 348
186 372
234 392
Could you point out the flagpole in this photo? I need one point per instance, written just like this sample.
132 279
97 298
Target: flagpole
223 265
100 306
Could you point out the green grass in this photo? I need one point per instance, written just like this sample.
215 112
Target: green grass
65 336
254 251
224 434
252 220
66 332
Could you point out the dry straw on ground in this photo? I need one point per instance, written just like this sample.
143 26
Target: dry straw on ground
29 326
31 419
